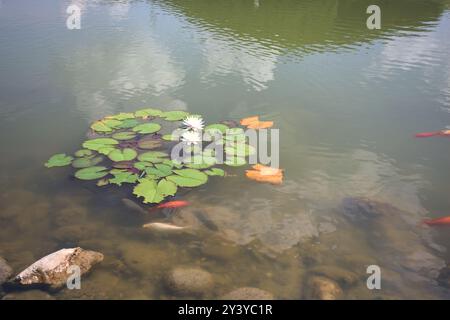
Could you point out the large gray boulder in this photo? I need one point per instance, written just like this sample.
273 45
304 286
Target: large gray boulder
53 269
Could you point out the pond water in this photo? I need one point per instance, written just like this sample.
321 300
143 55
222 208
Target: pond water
347 101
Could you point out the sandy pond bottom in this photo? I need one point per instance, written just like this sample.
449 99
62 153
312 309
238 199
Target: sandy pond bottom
240 246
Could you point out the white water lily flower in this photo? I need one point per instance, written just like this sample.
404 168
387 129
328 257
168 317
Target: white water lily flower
194 123
191 137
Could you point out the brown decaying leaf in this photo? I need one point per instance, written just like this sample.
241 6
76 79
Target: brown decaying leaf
260 125
248 120
254 123
263 173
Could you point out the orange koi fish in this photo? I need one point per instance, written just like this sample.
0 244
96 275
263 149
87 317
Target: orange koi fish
170 205
437 221
433 134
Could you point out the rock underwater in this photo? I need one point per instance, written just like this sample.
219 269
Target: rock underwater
53 269
5 271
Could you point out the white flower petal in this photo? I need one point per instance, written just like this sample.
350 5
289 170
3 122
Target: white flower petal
194 123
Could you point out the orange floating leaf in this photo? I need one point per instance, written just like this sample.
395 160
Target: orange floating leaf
262 173
257 176
260 125
248 120
267 171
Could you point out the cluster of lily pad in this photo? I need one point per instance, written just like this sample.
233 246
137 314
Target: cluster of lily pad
131 148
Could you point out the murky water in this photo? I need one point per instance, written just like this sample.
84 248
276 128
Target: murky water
347 101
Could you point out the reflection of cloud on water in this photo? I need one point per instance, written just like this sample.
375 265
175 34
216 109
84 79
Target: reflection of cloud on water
119 10
136 70
403 54
254 63
148 66
426 51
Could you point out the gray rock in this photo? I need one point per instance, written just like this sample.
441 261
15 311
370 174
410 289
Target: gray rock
361 209
343 276
189 281
321 288
393 233
248 293
5 271
53 269
28 295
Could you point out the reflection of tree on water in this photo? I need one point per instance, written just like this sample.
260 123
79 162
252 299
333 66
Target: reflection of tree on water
307 25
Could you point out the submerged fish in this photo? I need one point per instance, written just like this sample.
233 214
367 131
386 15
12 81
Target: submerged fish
160 226
133 206
437 221
433 134
170 205
207 222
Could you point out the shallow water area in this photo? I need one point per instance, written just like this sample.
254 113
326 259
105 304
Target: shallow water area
347 101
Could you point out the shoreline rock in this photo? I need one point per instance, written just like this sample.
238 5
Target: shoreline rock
53 269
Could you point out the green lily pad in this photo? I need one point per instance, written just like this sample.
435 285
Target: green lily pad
83 153
188 178
147 143
241 139
141 165
167 188
216 127
199 162
122 176
129 123
112 123
235 131
100 143
215 172
101 126
126 154
106 150
173 163
86 162
146 128
159 170
170 137
123 165
59 160
235 135
235 161
153 192
174 115
153 156
239 150
147 188
91 173
121 116
126 135
149 112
